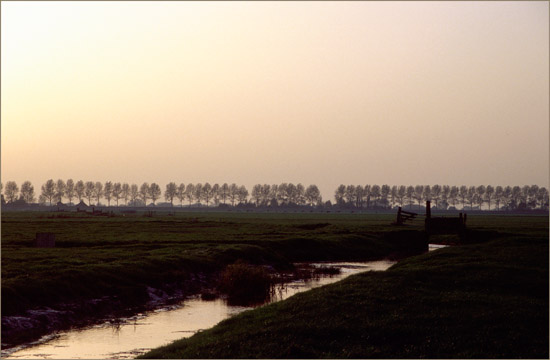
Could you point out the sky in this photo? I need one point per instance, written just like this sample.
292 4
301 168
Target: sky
324 93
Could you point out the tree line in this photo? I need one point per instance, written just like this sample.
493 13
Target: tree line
53 192
443 197
285 194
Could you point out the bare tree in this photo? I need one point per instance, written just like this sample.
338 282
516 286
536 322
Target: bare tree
27 192
198 192
375 193
366 194
349 194
480 191
339 194
507 196
117 192
79 189
233 193
463 195
401 193
410 195
154 192
207 193
190 193
515 196
312 195
436 194
89 191
242 194
300 197
108 192
134 193
180 193
359 196
69 190
419 194
98 191
489 192
171 192
224 192
393 195
427 193
48 190
498 195
144 193
472 196
60 187
125 194
216 194
542 198
453 195
256 195
11 191
384 192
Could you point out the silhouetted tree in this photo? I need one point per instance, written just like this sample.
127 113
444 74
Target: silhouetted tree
498 195
349 194
427 193
300 198
98 191
233 193
542 197
11 191
117 192
198 192
216 194
207 193
375 193
436 194
480 191
48 190
144 193
171 192
419 194
472 196
154 192
359 196
134 193
339 194
180 193
69 190
125 194
463 195
256 194
401 193
410 195
312 195
366 194
79 189
60 190
190 192
507 196
27 192
393 195
89 190
108 192
242 194
453 195
224 192
384 192
489 192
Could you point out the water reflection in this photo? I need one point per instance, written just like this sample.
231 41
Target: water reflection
130 337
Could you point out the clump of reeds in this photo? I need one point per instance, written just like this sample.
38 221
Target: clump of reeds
244 283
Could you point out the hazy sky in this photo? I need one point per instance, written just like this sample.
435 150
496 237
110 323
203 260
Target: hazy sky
327 93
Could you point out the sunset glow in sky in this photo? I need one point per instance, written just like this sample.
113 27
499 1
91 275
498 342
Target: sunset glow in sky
322 93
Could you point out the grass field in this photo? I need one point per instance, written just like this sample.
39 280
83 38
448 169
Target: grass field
122 255
486 300
95 256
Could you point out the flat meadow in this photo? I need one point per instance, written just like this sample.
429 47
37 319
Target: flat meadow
500 277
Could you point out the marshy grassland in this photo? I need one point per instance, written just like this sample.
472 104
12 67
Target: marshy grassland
485 299
122 255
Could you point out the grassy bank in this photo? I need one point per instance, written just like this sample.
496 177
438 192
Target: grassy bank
487 300
122 255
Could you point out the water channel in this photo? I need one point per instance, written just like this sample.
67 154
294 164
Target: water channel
130 337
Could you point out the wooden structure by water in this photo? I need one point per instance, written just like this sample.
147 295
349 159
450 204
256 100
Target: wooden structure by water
443 225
